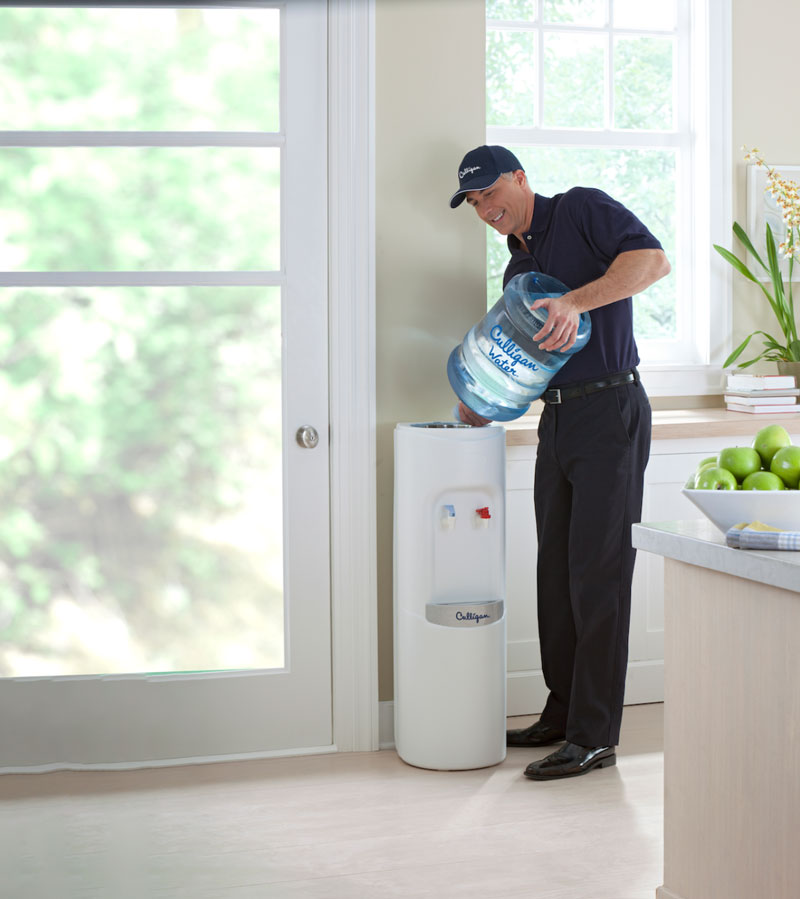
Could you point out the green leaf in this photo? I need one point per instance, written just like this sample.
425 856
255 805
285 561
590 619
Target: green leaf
777 350
751 361
744 270
790 237
736 263
779 304
740 233
737 352
794 351
771 341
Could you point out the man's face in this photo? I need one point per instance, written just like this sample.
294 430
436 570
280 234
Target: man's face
503 205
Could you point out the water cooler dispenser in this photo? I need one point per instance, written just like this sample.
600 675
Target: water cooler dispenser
449 590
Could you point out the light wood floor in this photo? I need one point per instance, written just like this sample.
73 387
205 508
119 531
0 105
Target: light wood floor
340 827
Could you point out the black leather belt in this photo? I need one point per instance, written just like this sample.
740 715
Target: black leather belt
556 395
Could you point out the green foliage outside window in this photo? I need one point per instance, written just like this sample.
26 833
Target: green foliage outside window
515 51
141 69
511 10
643 74
140 440
576 12
573 81
134 420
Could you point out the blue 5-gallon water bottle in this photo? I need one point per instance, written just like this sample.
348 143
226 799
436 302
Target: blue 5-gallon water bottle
498 370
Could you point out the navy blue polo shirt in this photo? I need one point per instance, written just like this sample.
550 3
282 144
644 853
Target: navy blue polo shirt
574 237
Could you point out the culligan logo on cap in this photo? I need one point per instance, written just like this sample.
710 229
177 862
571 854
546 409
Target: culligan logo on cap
468 171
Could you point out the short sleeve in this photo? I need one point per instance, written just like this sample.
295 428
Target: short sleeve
609 227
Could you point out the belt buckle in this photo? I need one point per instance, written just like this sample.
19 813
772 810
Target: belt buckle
556 396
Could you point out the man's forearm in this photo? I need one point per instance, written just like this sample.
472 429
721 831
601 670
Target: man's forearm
630 273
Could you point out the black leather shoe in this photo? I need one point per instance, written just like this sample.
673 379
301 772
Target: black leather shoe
539 734
570 761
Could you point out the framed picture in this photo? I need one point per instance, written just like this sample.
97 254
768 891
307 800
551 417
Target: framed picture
762 210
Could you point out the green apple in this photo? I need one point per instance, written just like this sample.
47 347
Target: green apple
703 465
691 481
715 479
786 465
768 441
762 480
740 461
709 460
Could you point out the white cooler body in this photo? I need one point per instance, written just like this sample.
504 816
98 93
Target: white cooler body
449 595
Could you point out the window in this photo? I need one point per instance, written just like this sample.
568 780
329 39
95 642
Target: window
628 97
141 249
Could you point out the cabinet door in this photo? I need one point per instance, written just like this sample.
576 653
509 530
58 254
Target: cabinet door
663 501
526 692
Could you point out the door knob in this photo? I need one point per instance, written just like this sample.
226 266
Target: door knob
307 437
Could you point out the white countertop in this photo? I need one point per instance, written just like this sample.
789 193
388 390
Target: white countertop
700 543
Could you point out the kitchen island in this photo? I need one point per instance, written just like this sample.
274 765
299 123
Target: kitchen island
731 715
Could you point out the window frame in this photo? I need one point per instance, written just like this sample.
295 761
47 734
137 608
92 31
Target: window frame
690 364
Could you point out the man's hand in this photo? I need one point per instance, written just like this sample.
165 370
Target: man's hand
561 326
630 273
471 418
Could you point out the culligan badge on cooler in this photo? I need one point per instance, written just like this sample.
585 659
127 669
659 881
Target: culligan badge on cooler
498 370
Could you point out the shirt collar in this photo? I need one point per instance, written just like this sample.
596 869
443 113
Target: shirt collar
542 208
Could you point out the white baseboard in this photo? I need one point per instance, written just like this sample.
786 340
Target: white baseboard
169 763
527 693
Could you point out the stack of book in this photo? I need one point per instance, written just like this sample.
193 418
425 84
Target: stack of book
769 394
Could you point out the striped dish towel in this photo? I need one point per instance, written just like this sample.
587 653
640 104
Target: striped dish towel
757 535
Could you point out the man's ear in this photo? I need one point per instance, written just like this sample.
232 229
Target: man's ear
519 177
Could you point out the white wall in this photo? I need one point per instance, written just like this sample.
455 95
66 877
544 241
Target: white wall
430 109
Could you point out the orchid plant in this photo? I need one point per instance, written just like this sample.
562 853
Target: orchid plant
787 195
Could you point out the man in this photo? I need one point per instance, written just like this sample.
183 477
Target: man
594 442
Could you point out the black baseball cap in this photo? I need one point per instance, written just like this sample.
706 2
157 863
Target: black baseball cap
480 168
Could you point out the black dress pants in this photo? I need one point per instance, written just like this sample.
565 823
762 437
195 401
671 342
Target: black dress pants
590 465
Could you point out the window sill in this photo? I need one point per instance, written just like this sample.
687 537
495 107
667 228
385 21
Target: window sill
682 380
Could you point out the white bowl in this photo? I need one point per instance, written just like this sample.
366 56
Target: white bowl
725 508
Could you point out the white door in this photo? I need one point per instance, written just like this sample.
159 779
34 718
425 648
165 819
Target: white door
164 549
